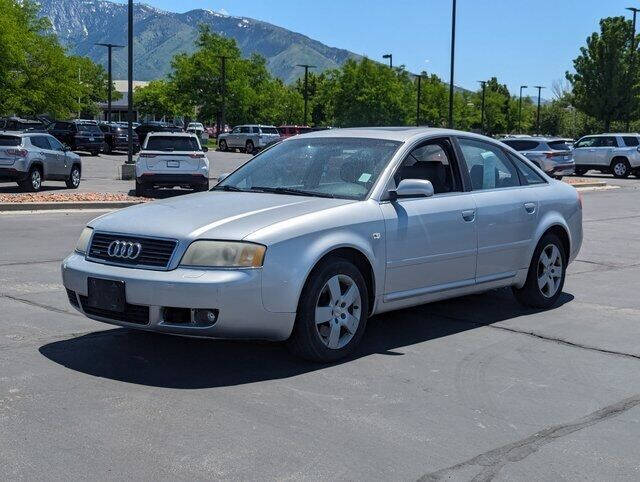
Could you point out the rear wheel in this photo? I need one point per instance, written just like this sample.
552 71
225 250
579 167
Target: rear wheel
223 146
580 171
33 182
201 187
332 312
545 278
95 152
141 188
74 178
249 147
620 167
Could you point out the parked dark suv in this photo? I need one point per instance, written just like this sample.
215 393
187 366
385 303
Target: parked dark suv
116 139
144 129
79 136
16 124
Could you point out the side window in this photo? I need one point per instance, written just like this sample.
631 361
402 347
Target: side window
244 130
255 130
606 142
630 141
586 142
236 130
488 165
40 142
55 143
527 173
430 162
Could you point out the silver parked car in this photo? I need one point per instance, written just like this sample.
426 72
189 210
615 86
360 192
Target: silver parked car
552 155
618 154
33 157
314 235
248 138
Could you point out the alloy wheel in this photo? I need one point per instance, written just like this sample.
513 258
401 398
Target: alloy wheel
620 169
550 271
338 311
36 179
75 177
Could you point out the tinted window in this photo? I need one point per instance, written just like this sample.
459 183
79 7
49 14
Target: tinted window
269 130
429 162
520 145
606 142
255 130
236 130
40 141
172 143
586 142
558 146
527 172
488 165
56 145
91 128
61 125
10 141
104 128
340 167
245 130
630 141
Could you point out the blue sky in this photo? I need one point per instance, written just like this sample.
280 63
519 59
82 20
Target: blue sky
519 41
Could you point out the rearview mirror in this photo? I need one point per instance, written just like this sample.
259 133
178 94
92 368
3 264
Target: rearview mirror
412 188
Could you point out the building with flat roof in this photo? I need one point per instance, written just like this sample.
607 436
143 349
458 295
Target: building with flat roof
119 107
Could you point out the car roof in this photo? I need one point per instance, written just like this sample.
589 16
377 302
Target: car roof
171 134
534 138
607 134
401 134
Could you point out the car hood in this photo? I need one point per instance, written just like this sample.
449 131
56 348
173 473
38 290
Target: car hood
211 215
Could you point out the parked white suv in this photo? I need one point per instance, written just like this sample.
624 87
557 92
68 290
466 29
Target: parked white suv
170 159
618 154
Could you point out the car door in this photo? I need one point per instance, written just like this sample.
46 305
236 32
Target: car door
584 151
431 242
51 163
605 146
506 213
63 162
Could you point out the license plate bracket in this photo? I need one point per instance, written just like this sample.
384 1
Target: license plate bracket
105 294
173 163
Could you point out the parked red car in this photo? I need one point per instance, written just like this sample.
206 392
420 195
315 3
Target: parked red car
289 131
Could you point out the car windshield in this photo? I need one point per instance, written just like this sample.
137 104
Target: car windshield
172 143
10 141
89 128
327 167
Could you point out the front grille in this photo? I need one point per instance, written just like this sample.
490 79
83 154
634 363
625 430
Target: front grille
155 253
136 314
72 298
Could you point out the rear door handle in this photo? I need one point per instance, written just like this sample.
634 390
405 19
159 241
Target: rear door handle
469 215
530 207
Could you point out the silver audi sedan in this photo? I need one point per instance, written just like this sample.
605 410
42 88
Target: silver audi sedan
321 231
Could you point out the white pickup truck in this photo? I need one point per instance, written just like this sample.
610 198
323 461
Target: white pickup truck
618 154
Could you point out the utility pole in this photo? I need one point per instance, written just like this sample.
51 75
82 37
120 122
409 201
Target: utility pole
539 87
130 82
483 83
79 108
418 103
520 110
453 51
306 87
110 47
390 57
632 61
221 121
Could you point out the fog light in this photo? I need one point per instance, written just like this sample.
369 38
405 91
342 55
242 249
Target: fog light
208 317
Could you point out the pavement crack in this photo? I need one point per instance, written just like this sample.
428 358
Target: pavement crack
490 463
38 305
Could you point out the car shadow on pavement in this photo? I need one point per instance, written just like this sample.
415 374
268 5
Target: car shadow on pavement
167 361
15 189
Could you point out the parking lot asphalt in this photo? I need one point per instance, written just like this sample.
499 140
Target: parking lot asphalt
472 388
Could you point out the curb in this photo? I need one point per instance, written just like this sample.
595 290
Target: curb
588 184
47 206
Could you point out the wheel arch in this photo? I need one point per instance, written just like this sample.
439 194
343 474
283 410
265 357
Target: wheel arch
560 229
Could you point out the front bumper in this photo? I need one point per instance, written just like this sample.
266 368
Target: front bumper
236 294
89 146
8 174
161 179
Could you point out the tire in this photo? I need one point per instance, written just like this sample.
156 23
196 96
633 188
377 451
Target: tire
549 273
620 168
95 152
107 148
580 171
141 188
249 147
559 178
201 187
223 146
33 182
74 178
337 337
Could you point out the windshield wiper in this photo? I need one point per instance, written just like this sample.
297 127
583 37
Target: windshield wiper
228 188
292 191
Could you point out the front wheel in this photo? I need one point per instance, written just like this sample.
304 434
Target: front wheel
332 312
545 278
620 168
222 145
74 178
95 152
249 147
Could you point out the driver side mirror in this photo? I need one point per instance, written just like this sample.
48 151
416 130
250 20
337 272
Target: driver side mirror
412 188
205 149
65 148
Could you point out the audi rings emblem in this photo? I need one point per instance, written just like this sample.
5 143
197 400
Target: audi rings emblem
124 249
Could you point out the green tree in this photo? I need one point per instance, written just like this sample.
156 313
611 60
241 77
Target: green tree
602 79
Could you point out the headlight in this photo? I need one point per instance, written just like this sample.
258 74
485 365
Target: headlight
224 254
83 242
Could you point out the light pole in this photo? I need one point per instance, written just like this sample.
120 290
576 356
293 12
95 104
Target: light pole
632 61
221 122
453 51
390 57
130 82
306 87
483 83
539 87
520 110
418 103
110 47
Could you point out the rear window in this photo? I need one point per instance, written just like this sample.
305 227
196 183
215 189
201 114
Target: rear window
630 141
171 143
520 145
559 146
10 141
269 130
89 128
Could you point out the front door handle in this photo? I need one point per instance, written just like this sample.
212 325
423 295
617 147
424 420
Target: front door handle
530 207
469 215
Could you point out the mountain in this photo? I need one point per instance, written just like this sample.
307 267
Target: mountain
159 35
